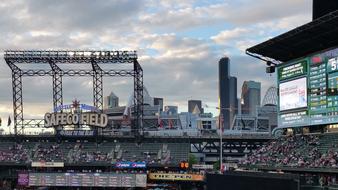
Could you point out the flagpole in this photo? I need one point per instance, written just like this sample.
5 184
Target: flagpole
220 124
221 144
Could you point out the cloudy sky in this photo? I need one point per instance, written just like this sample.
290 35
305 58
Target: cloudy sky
179 43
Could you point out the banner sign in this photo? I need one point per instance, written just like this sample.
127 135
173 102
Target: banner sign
176 177
80 106
130 165
202 167
77 133
87 118
48 164
87 180
297 69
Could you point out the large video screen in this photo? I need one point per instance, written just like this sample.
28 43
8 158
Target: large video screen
308 90
293 94
87 179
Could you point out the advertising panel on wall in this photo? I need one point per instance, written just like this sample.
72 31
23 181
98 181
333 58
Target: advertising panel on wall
293 94
176 177
308 90
87 179
130 164
23 178
48 164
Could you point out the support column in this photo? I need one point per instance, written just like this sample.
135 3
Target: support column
17 98
97 86
57 85
138 99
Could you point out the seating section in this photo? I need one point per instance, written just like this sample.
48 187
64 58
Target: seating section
309 151
91 152
12 152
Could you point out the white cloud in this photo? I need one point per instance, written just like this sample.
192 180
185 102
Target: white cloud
226 35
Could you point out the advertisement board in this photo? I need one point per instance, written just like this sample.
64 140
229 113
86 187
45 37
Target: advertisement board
76 133
48 164
176 177
23 178
88 179
293 94
130 165
291 71
203 166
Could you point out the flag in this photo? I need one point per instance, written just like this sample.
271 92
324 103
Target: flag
161 124
170 124
158 119
9 121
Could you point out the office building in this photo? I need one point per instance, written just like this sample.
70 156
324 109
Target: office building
110 101
227 92
192 106
251 97
233 98
159 102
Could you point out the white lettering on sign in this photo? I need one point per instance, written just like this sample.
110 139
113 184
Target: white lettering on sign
93 119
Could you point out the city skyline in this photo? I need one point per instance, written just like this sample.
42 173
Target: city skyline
180 49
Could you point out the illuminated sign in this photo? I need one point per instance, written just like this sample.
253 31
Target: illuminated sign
202 166
91 119
79 133
79 106
23 178
293 70
293 94
176 177
48 164
130 165
308 90
87 180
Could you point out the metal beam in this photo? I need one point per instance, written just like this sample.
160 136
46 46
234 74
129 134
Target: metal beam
81 72
57 85
138 98
17 96
40 57
97 85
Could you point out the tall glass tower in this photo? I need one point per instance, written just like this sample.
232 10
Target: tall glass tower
227 92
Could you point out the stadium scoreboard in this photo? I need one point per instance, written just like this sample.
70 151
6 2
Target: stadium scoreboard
87 179
308 90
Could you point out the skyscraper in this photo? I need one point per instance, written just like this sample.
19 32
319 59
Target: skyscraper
233 97
227 92
159 101
251 97
193 103
111 101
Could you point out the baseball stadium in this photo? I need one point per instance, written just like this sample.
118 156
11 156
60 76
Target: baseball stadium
136 146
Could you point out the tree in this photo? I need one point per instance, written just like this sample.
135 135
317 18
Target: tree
192 160
216 166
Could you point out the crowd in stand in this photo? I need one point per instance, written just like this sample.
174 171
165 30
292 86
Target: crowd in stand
48 154
294 151
76 153
15 153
